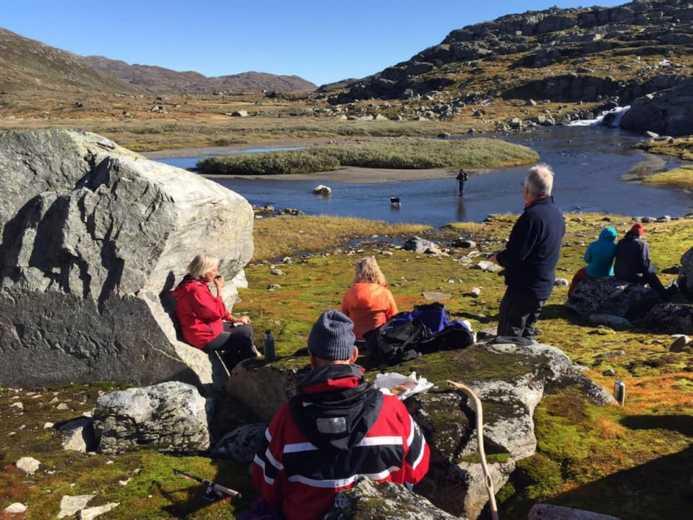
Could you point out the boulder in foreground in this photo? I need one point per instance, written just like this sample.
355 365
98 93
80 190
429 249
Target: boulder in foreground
93 237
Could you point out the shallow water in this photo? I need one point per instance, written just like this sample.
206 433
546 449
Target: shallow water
589 163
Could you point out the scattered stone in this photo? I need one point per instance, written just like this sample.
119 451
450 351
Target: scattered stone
549 512
679 344
170 417
93 512
239 113
488 266
48 425
15 509
18 405
28 465
475 292
71 505
609 372
385 501
422 246
241 444
276 271
321 189
124 482
464 243
78 435
561 282
273 287
62 407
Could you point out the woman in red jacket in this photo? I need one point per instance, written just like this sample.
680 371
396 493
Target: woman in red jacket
204 321
368 302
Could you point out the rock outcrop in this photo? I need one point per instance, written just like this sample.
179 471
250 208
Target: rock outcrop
93 238
370 501
686 272
510 379
673 318
596 299
668 112
169 417
557 38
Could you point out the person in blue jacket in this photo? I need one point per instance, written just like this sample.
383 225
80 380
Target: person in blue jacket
600 254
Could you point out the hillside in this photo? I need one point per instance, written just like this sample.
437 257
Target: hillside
565 55
166 81
31 65
31 68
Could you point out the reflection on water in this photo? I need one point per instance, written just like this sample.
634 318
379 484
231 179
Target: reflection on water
589 165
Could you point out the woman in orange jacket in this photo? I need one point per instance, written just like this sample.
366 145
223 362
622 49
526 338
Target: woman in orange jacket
368 302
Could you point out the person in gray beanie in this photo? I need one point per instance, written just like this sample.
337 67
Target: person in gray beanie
337 428
332 337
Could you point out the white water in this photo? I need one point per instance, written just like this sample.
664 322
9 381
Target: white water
614 123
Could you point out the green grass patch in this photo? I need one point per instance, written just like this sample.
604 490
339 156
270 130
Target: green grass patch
681 177
404 154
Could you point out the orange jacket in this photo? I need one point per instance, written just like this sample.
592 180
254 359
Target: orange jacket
369 306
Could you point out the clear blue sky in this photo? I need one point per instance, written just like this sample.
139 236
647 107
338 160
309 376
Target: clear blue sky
322 41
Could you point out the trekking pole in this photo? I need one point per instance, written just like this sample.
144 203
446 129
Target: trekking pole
228 374
212 487
482 453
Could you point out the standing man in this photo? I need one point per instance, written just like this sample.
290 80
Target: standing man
462 177
530 256
337 429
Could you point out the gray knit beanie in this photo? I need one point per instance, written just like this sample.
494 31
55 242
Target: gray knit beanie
332 337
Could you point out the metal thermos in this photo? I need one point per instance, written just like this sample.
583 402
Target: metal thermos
620 392
269 350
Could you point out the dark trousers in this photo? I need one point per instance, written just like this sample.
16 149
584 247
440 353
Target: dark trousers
234 345
519 313
460 188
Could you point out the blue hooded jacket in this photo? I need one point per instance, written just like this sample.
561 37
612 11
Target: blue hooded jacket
600 254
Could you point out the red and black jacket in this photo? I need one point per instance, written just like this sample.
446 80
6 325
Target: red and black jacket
338 429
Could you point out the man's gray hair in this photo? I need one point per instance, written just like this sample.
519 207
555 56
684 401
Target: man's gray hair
539 181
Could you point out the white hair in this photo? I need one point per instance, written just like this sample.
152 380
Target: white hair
539 181
201 265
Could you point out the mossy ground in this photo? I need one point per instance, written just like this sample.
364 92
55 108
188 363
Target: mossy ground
632 462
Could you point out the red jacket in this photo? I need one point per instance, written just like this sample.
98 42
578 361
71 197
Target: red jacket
369 305
301 479
200 314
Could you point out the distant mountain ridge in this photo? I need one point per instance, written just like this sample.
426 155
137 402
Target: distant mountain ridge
166 81
30 65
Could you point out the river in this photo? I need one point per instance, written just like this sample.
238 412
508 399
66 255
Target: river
589 163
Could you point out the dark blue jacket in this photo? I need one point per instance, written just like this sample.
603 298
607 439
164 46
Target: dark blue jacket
533 250
632 258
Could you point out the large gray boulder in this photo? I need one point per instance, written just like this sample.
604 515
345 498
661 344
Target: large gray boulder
93 237
669 112
370 501
170 417
610 297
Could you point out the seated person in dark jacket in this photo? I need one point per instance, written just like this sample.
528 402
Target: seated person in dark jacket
530 257
633 261
336 430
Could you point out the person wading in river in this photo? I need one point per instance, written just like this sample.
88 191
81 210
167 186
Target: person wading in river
530 257
462 177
